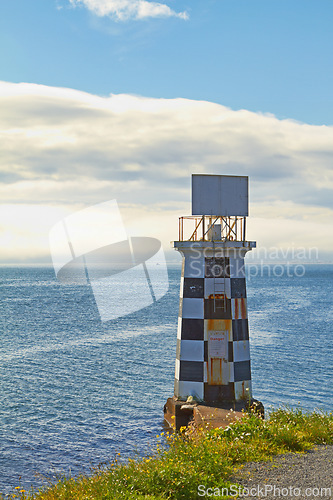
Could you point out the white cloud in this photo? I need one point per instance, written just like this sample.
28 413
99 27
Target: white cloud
62 150
123 10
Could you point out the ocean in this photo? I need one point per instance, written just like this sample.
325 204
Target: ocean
76 391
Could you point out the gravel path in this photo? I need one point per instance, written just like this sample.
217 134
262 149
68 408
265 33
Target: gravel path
294 475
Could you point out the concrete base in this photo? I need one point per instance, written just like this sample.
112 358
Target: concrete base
180 413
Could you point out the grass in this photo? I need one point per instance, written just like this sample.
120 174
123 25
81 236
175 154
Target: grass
180 462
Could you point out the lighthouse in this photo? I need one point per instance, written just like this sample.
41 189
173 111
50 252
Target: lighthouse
213 365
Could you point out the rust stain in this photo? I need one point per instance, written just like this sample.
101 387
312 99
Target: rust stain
227 323
218 325
215 371
240 308
215 325
236 309
217 366
211 324
243 308
243 392
218 296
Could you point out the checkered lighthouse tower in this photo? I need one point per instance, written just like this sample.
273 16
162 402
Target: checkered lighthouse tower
213 353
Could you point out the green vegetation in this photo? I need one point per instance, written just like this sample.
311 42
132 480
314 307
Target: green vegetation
180 462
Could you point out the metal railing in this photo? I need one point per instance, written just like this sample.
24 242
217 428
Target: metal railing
232 228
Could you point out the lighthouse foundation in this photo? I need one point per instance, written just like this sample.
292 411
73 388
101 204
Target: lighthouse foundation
179 414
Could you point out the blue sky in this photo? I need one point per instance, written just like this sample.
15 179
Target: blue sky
271 56
125 99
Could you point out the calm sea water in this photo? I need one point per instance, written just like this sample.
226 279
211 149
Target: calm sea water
75 391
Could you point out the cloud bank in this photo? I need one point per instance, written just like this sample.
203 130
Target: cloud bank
63 150
124 10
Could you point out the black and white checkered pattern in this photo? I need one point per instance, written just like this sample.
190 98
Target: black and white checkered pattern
212 312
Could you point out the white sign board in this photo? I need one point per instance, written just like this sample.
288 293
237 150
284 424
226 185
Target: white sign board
225 195
217 345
